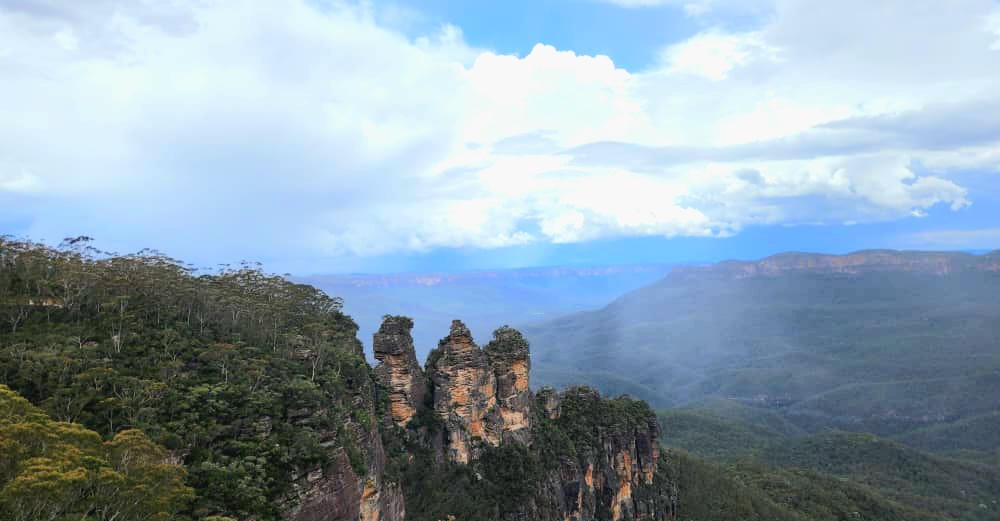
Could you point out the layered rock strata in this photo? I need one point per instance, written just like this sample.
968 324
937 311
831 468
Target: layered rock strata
619 475
398 369
480 398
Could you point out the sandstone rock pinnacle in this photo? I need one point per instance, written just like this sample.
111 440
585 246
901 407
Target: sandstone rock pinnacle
399 370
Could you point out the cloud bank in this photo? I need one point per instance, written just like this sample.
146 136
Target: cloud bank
283 126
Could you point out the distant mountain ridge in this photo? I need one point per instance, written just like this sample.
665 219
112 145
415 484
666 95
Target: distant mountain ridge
873 341
933 262
483 299
362 280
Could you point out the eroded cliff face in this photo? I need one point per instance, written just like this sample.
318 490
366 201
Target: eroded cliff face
508 360
584 458
618 474
398 369
464 394
338 493
346 490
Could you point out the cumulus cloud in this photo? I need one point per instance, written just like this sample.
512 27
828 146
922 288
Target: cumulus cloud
283 126
714 54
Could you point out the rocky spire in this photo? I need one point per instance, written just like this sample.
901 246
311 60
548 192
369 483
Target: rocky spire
464 393
399 370
509 362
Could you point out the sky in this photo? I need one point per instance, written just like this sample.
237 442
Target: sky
319 136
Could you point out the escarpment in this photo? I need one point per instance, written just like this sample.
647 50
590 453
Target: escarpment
617 473
859 262
352 485
470 423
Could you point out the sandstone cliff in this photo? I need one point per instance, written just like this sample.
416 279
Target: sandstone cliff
866 261
398 369
352 486
508 360
618 472
481 395
552 457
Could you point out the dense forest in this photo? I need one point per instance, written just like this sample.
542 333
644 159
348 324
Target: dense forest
779 472
241 376
137 388
134 387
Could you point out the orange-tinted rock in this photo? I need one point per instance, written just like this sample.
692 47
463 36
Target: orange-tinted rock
399 371
481 395
621 461
510 362
464 393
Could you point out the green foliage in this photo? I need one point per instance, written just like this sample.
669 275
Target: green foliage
978 433
506 340
835 475
243 375
711 436
584 416
59 470
505 480
708 492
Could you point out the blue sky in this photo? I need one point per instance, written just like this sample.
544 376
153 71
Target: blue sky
326 136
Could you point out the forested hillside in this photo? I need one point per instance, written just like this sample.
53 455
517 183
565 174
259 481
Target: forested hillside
833 475
134 388
244 377
883 342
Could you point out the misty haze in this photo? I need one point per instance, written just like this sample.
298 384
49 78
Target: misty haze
441 260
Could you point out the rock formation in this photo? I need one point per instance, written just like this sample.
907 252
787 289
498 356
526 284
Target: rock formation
617 476
339 494
508 360
607 467
399 370
548 400
481 396
464 393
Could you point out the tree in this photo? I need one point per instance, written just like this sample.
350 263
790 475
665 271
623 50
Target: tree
58 470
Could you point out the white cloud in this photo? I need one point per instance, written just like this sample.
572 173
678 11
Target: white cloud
993 25
281 127
714 54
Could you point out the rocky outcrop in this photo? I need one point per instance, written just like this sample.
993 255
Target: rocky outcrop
508 360
610 467
619 473
398 369
548 400
481 396
464 394
579 457
337 493
343 490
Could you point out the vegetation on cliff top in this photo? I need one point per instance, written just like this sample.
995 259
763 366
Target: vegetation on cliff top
241 375
508 479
